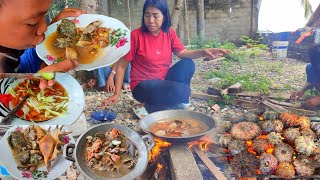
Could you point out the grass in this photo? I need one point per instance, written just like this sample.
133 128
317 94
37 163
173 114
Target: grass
249 67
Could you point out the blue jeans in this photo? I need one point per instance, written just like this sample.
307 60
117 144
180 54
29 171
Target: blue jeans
169 93
29 62
103 73
313 74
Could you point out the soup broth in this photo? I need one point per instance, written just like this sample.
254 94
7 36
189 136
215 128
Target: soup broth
173 127
85 57
35 108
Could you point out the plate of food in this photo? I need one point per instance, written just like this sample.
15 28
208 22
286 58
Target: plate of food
61 104
94 40
35 152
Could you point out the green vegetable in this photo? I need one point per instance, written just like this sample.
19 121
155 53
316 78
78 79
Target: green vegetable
12 92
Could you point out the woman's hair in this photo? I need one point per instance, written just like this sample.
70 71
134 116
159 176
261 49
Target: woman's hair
162 5
314 55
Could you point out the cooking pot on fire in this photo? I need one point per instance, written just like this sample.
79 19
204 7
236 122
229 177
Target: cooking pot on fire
75 152
155 117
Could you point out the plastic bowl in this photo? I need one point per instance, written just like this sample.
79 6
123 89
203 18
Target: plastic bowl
103 115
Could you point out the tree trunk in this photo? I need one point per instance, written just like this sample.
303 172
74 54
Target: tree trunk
186 23
90 6
129 14
200 18
104 7
176 14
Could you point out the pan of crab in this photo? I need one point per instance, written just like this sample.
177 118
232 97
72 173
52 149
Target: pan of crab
91 39
59 104
110 151
35 152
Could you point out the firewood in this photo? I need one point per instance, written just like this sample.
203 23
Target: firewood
236 88
211 166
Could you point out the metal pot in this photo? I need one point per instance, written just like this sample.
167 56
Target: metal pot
146 122
74 152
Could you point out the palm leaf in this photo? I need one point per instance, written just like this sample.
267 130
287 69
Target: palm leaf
307 8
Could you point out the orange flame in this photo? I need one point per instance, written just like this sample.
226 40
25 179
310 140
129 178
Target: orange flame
202 143
159 147
261 118
270 149
249 143
159 167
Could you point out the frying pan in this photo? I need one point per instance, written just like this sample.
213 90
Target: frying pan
146 122
139 142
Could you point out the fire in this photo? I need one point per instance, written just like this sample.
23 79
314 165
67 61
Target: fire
202 143
159 167
270 149
159 147
249 143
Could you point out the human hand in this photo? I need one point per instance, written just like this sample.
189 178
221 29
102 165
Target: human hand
110 101
68 12
45 83
296 95
214 52
63 66
312 102
47 79
110 87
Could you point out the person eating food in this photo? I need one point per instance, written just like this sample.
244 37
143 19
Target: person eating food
23 27
154 81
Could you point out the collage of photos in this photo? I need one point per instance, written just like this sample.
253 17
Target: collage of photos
159 89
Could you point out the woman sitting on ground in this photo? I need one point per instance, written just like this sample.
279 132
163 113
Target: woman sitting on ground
153 81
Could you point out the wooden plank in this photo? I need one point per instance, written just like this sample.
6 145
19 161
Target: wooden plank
275 107
206 97
295 105
257 94
211 166
218 98
302 111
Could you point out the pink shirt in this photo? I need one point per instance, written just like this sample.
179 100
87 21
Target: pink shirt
151 56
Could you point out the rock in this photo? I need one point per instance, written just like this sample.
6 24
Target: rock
215 107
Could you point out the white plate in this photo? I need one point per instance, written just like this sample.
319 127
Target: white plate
74 109
110 54
58 166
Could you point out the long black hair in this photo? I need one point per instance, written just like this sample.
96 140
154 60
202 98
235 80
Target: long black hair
162 5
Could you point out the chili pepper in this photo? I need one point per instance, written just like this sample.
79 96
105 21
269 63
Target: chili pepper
5 99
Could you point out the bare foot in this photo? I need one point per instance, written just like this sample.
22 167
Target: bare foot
84 86
92 83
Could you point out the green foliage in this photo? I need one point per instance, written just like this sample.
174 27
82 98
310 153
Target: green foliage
211 102
228 45
228 99
198 42
58 5
249 81
312 92
214 42
254 43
